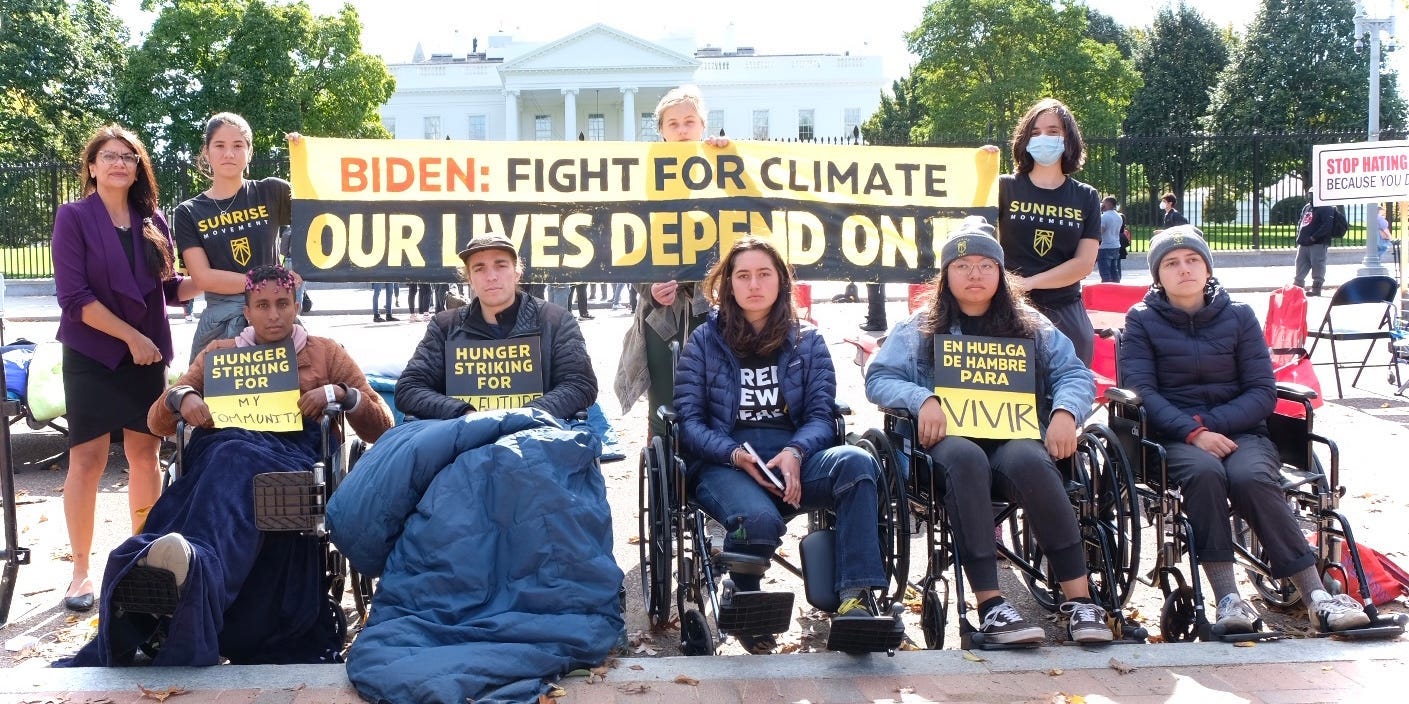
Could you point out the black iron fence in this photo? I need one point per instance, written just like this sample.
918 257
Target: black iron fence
1244 191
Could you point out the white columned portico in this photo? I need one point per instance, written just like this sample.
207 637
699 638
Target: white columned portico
628 114
511 115
569 113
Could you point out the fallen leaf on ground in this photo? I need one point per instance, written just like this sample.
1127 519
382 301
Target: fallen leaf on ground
635 667
1244 644
971 657
905 690
634 540
1123 668
554 692
161 695
1055 672
634 688
686 679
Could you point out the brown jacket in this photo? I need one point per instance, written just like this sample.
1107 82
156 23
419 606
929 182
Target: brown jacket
322 361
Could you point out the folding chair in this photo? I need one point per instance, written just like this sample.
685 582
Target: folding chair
1377 294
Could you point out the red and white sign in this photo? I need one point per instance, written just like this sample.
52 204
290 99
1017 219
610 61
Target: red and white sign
1361 172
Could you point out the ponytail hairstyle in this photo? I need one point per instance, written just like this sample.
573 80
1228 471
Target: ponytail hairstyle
141 196
215 122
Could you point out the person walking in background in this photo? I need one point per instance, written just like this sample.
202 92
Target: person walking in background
1172 216
418 302
377 291
1317 226
1050 223
114 274
1108 257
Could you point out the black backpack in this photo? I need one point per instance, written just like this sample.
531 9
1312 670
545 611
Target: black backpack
1338 223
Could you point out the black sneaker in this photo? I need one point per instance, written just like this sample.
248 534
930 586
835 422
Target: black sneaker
1005 626
871 327
392 319
759 645
378 319
1086 622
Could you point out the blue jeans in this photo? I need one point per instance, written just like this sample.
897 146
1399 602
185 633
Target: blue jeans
840 478
1108 264
377 291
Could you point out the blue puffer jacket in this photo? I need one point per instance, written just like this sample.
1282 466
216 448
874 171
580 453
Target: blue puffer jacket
1211 368
707 393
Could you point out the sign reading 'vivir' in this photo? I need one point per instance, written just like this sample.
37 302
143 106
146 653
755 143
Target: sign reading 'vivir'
1362 172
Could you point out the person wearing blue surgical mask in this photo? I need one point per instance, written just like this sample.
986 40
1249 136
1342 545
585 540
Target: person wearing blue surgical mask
1049 223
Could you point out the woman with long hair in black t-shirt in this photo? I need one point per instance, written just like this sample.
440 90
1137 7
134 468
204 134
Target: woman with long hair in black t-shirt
1048 222
230 228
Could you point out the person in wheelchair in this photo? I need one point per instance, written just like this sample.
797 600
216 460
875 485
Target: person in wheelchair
754 374
241 594
1200 365
566 384
975 296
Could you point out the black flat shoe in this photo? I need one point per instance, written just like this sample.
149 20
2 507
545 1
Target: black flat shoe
82 602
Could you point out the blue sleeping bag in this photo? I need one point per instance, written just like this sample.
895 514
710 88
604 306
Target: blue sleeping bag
493 540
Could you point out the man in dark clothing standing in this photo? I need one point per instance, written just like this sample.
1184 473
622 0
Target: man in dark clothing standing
1172 216
1316 226
875 308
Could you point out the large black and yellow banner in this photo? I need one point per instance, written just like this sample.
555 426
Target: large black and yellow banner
255 388
493 375
986 386
400 210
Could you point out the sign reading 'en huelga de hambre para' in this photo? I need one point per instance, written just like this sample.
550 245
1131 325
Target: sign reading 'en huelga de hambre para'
400 210
493 375
255 388
986 386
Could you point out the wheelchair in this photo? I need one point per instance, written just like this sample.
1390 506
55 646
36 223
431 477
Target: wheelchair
1312 488
678 555
1099 485
283 502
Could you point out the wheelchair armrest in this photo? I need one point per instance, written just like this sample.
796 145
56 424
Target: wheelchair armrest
1295 392
1123 396
667 413
842 408
743 563
580 416
897 412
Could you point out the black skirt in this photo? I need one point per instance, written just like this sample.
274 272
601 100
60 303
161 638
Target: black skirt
103 401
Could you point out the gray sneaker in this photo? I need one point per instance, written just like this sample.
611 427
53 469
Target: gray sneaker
1236 615
1086 622
1005 626
1336 613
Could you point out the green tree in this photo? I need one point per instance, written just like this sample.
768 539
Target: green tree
57 63
898 114
1106 30
1180 61
1296 72
280 66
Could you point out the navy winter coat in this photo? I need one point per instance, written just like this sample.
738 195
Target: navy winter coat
707 393
1211 368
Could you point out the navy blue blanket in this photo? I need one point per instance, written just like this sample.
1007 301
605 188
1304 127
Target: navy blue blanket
492 536
252 597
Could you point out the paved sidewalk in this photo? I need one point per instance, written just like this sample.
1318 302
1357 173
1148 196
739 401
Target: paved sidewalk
1206 673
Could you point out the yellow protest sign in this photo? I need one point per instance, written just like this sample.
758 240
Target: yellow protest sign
987 386
492 375
255 388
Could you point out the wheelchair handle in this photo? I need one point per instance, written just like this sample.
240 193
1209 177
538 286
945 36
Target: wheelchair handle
1295 392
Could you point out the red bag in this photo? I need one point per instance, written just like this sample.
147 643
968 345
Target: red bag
1286 339
1387 580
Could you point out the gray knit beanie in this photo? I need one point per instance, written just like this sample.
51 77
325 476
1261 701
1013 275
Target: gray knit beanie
974 236
1178 237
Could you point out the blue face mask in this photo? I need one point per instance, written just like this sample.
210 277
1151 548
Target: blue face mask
1046 149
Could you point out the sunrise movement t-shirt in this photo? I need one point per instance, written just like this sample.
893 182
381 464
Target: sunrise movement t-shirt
761 403
1039 229
237 233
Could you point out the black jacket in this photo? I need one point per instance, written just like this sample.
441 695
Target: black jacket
570 385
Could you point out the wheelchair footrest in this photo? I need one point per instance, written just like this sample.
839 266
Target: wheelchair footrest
1390 626
146 590
867 634
755 613
287 501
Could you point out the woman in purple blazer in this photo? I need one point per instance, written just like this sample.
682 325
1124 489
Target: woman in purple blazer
114 275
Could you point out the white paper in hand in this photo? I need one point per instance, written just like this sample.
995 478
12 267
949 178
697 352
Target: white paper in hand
763 467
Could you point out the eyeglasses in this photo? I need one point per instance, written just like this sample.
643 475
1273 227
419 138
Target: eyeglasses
112 158
964 268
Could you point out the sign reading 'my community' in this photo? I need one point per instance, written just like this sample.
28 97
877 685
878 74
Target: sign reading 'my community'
400 210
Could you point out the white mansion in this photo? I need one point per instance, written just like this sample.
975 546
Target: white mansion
600 83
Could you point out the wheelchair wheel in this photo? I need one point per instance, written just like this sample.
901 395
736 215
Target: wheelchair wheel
695 635
1277 593
655 540
1176 620
1111 530
893 514
934 612
1024 543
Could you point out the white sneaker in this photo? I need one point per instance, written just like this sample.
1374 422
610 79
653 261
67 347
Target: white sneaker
1338 613
1236 615
172 553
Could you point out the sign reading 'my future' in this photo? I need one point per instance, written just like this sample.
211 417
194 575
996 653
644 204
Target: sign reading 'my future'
400 210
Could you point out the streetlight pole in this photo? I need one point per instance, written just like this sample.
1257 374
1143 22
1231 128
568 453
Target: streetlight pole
1372 26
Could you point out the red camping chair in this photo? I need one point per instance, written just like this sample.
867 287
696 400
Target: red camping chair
1106 304
1286 340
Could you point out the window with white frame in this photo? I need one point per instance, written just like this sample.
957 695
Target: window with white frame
390 124
850 120
479 127
542 127
649 133
716 122
760 124
596 127
432 127
805 121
